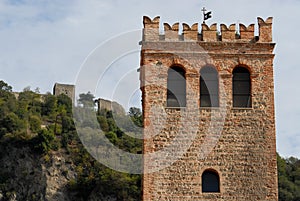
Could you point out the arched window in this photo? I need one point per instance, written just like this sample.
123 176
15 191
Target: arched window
209 87
210 181
176 96
241 85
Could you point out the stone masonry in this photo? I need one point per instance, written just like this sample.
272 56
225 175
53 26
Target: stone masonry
238 143
67 89
108 105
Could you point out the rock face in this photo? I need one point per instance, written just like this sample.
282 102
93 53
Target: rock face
58 173
96 196
23 174
29 176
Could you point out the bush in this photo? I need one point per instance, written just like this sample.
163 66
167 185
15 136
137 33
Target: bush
12 123
44 142
35 123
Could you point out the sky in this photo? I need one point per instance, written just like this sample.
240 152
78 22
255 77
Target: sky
48 41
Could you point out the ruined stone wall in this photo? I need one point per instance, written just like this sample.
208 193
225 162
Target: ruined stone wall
238 143
110 106
66 89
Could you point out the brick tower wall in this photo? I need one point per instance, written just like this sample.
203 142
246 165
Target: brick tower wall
238 143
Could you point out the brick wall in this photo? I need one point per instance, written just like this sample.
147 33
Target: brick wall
180 143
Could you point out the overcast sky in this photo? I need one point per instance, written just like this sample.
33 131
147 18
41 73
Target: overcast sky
48 41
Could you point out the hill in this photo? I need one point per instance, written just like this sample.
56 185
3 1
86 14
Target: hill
42 158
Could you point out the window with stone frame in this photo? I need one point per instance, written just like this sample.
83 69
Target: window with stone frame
241 86
209 87
176 94
210 181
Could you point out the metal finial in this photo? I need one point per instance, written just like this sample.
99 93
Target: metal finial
207 15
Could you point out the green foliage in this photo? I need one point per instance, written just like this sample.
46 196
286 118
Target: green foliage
5 87
22 120
94 176
45 141
136 116
288 178
5 90
103 123
49 105
67 124
35 123
32 100
127 186
119 129
112 136
64 101
12 123
86 100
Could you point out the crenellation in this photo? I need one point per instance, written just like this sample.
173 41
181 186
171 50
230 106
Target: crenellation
190 33
265 29
237 143
151 29
148 23
207 33
246 33
228 33
171 33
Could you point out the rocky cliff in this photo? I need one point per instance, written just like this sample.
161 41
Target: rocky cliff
28 176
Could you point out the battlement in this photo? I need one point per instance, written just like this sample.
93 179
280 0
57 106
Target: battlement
205 88
207 33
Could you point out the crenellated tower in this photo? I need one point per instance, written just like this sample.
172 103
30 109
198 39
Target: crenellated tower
208 106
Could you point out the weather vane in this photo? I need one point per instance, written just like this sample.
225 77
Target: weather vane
207 15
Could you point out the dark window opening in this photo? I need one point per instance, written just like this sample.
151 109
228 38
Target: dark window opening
176 94
241 85
210 182
209 87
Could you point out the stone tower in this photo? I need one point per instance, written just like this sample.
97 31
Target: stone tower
67 89
208 105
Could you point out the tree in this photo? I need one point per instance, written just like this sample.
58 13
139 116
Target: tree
288 178
35 123
31 100
11 123
44 141
66 102
50 105
5 87
67 124
135 112
37 90
136 116
28 88
87 100
5 90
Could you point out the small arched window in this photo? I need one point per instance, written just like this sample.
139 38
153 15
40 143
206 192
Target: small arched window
209 87
210 182
241 85
176 96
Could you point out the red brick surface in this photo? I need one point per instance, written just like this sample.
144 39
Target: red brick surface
239 143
